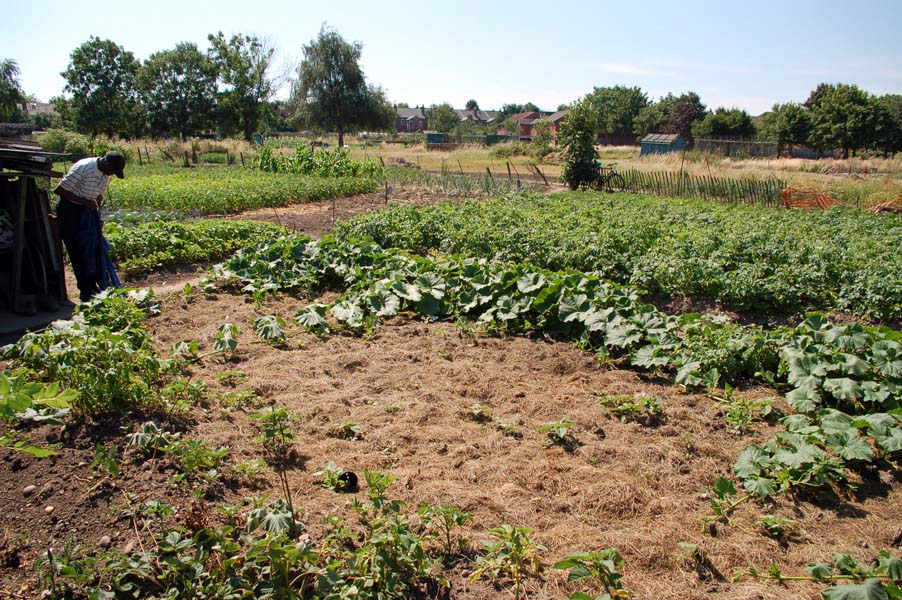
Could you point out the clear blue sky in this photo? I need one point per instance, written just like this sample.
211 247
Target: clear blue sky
745 54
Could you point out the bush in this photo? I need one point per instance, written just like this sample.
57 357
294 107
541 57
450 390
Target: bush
65 142
577 138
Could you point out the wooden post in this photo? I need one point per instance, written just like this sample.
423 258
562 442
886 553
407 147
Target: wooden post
509 176
461 167
241 154
489 171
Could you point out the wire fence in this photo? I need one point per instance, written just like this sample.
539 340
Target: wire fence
765 192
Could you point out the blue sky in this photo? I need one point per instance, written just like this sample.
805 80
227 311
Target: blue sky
744 54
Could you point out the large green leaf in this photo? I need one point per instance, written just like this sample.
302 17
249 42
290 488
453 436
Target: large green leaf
849 445
871 589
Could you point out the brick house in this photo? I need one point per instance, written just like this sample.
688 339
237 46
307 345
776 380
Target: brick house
411 120
480 117
524 123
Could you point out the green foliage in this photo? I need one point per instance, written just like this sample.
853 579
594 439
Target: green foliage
747 258
325 163
65 142
331 475
25 400
842 116
877 580
346 430
101 78
224 191
226 340
178 88
243 63
10 88
442 118
725 122
195 459
444 519
558 434
104 353
617 108
577 142
159 243
106 460
603 567
643 409
331 91
512 555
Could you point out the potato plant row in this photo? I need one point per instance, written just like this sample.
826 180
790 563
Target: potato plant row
157 244
216 191
745 257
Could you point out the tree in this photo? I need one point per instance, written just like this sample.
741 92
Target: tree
577 140
179 90
442 117
472 105
650 119
684 111
888 134
792 125
10 89
617 108
842 116
331 91
725 122
101 79
243 63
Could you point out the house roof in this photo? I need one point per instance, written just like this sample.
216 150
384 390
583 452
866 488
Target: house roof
662 138
525 115
40 108
474 114
409 113
558 115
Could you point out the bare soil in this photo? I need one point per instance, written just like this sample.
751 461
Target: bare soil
411 387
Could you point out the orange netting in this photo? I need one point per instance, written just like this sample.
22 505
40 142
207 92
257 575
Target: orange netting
797 196
894 206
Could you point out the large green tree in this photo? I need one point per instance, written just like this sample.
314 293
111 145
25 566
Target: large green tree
617 108
10 89
178 87
842 116
331 91
442 117
101 80
244 62
792 125
725 122
682 113
888 134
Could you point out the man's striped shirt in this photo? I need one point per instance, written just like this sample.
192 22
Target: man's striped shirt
85 179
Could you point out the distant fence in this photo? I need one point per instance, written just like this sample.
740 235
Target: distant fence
765 192
736 147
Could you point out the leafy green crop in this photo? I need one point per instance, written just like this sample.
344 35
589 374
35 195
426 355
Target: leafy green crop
746 257
215 190
305 161
159 243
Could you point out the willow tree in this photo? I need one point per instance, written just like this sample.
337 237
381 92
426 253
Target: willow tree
331 92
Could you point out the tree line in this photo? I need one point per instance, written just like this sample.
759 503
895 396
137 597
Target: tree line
835 116
229 89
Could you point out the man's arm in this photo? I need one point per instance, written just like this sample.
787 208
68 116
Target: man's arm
76 199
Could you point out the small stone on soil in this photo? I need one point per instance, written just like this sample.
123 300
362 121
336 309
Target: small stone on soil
48 510
29 490
105 542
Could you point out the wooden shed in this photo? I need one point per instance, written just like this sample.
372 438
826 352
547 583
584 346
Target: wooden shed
31 256
662 143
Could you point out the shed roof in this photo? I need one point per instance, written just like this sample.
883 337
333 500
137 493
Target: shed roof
662 138
558 115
